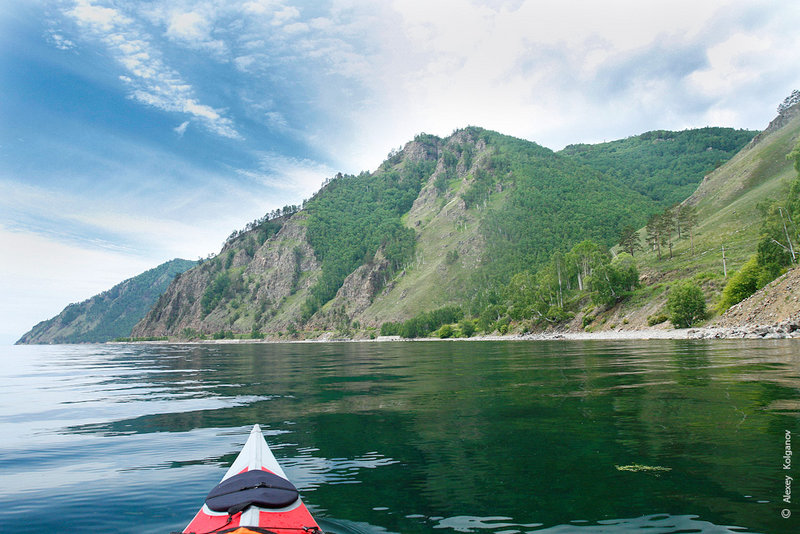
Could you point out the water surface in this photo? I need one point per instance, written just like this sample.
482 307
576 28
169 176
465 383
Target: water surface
486 437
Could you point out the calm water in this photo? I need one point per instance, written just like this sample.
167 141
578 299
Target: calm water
408 437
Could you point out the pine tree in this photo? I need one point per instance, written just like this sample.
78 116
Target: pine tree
686 218
629 240
654 230
666 222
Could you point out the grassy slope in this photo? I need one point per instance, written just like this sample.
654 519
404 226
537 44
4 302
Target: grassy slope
429 282
726 202
443 224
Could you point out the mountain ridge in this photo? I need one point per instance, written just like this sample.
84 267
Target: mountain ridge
484 206
108 315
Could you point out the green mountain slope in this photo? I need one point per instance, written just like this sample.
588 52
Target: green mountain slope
441 222
729 217
662 165
111 314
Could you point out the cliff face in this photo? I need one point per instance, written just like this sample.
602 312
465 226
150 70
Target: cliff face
249 285
111 314
261 286
785 116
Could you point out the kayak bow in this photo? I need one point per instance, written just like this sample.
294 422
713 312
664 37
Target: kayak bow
254 496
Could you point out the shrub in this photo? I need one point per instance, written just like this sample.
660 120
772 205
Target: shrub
686 305
656 319
223 334
255 333
446 331
190 333
390 329
741 285
467 327
427 322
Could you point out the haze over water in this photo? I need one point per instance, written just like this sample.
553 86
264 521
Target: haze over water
485 437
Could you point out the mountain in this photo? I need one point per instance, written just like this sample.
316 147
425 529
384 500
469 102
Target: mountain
729 204
663 165
442 222
111 314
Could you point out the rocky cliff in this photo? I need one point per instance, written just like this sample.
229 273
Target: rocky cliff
257 282
256 286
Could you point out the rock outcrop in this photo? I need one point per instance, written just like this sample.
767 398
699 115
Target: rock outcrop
249 286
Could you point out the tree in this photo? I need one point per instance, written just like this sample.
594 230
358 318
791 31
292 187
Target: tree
795 155
789 101
467 327
611 282
686 220
629 240
521 294
686 304
654 229
581 260
780 240
666 222
778 232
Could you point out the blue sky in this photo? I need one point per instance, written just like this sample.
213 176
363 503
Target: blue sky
135 132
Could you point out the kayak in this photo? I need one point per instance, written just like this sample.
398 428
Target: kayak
254 496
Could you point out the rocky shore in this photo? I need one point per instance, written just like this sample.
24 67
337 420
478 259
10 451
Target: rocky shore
789 328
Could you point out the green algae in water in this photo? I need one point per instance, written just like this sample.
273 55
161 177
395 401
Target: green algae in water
639 468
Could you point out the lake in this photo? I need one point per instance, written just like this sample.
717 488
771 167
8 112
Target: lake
486 437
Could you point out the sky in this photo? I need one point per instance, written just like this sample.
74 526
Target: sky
132 133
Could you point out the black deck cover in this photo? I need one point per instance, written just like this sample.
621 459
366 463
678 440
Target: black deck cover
252 488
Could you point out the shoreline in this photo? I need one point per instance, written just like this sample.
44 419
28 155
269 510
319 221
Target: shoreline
785 330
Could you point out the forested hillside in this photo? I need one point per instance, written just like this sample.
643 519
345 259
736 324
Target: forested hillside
662 165
352 216
111 314
443 223
739 235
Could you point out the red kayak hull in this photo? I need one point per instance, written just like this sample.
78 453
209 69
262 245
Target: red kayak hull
292 518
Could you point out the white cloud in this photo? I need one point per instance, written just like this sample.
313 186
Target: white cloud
277 119
189 26
284 15
103 19
572 71
259 7
731 63
181 128
295 178
152 81
59 41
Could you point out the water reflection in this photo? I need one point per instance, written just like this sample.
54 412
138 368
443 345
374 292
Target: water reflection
407 437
